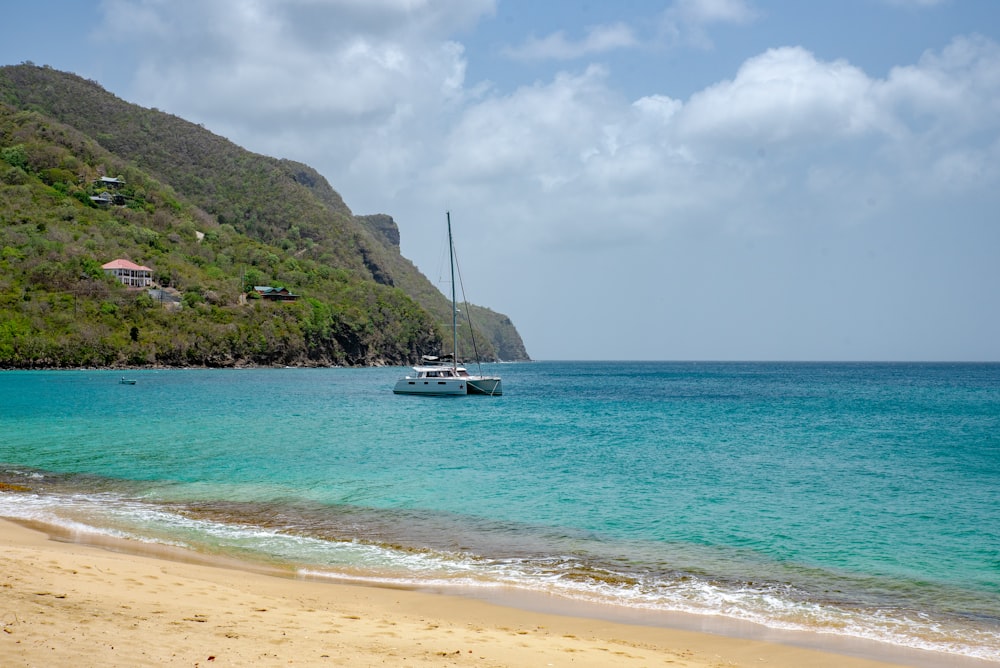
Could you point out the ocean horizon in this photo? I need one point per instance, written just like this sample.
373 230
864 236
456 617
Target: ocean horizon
856 500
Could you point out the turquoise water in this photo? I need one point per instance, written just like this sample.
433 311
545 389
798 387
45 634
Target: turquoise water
853 499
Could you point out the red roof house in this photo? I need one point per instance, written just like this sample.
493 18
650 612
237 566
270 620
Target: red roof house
129 273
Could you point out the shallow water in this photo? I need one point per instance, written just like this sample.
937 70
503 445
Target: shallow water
854 499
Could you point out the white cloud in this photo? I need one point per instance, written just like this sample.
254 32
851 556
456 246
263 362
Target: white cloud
687 21
700 12
948 106
557 46
339 59
684 21
790 137
953 92
354 83
781 96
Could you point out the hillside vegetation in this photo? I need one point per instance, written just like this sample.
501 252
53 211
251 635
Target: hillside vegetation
211 220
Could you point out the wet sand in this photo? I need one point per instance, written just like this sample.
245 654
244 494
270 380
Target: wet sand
71 604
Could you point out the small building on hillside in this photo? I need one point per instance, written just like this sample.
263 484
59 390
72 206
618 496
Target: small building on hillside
109 182
129 273
278 294
107 199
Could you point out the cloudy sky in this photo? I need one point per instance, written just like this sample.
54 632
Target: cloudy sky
674 179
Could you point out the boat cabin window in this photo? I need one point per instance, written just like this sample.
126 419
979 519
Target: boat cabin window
440 373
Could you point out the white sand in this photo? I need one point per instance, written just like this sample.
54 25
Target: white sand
67 604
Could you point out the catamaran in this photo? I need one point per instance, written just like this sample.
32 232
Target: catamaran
443 376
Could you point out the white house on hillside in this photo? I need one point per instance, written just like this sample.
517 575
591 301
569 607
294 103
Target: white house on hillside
129 273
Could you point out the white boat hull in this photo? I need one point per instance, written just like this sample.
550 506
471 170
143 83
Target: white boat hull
490 385
436 387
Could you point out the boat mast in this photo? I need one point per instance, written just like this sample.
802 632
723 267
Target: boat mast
454 308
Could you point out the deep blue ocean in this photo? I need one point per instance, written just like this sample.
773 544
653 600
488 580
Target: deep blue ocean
861 500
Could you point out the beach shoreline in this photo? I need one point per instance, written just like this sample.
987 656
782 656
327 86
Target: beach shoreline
66 601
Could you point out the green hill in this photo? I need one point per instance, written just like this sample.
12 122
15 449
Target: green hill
210 219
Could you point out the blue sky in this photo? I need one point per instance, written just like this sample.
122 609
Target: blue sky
685 179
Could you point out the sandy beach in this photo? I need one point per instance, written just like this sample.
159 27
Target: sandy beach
71 604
